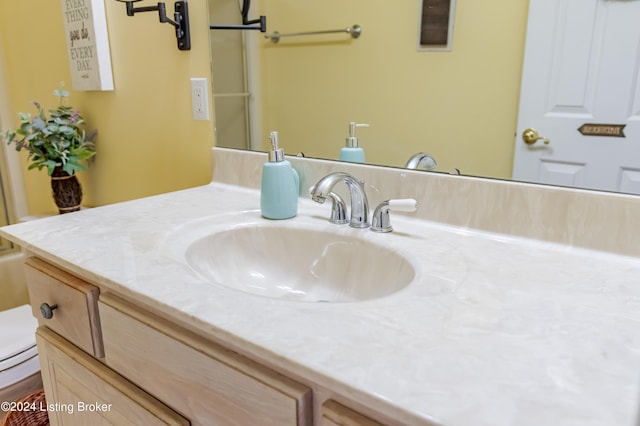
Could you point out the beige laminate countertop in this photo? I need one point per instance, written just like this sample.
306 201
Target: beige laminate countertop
495 330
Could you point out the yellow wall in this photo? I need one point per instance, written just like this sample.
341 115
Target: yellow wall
460 106
147 143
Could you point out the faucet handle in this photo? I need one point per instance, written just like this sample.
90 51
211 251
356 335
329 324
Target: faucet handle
381 221
403 205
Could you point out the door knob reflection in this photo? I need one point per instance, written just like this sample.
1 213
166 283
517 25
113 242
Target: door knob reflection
531 136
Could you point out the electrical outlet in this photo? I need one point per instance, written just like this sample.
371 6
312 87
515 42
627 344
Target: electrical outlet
200 98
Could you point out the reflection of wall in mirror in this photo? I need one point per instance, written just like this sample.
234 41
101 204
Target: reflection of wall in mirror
459 106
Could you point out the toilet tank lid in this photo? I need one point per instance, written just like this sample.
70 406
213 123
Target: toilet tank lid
17 331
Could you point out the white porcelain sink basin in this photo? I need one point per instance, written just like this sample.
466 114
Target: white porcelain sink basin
299 264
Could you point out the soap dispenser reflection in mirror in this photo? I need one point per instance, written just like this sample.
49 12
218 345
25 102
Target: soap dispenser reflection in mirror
351 151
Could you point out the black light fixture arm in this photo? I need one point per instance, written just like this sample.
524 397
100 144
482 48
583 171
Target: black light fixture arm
180 19
246 23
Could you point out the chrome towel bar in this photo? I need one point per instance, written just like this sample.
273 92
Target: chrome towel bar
354 31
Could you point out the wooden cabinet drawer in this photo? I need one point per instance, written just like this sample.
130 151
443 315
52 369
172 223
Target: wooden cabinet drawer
74 302
83 391
335 414
206 382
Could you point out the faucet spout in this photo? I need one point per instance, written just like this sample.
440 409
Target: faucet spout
421 160
359 204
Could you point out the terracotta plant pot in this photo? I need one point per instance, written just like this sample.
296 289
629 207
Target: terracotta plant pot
67 191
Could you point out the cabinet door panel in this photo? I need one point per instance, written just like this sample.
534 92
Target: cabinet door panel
82 391
212 384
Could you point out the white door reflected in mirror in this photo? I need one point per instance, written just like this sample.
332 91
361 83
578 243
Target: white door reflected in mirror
573 48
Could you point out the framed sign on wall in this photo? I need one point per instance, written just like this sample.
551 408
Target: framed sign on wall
85 25
436 24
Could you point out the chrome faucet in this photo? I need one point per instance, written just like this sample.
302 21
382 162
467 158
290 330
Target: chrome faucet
421 159
359 204
338 208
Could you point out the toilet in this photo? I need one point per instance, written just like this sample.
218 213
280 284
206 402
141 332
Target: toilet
19 364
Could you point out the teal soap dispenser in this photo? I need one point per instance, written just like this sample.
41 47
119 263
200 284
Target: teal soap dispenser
352 152
280 185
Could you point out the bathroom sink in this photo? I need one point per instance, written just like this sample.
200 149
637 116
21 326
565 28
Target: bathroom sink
299 264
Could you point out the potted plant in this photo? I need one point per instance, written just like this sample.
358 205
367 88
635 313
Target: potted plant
60 144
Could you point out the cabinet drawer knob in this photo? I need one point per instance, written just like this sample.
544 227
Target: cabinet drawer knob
47 310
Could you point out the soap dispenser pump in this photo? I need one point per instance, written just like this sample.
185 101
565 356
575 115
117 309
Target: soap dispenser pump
280 185
352 152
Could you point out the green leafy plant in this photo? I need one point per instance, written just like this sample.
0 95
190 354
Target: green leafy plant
56 141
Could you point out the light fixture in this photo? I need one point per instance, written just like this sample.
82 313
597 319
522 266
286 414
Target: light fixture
180 19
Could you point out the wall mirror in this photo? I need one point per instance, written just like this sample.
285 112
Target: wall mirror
462 106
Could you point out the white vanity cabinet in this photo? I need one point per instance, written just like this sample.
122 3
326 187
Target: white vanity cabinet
106 360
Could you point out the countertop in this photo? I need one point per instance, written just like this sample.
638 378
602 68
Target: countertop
494 330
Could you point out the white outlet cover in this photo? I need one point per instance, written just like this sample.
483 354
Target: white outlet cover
200 98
